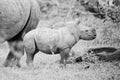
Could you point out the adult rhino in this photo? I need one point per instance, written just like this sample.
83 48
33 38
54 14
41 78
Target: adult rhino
56 41
17 17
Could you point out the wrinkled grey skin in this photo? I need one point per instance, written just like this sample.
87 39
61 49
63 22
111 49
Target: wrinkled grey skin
17 17
55 41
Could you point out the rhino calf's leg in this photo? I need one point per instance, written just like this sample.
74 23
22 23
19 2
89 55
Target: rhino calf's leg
30 58
15 54
31 50
64 56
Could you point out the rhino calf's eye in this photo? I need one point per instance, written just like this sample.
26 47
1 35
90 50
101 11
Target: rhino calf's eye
86 30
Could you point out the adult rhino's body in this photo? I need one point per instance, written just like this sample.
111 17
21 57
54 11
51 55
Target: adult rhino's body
17 17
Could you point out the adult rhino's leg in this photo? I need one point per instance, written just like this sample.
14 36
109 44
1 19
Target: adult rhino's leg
64 56
9 60
15 53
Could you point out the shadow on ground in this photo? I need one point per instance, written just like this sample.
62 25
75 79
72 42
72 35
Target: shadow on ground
102 53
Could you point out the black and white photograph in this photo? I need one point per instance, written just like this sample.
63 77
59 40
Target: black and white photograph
59 39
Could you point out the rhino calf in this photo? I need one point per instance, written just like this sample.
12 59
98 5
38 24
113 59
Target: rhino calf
56 41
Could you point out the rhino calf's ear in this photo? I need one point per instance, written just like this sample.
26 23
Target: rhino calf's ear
77 22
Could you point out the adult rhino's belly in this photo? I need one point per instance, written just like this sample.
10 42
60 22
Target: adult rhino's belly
13 17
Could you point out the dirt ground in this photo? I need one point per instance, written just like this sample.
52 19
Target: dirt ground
47 67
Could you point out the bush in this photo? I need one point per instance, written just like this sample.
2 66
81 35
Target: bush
113 14
106 11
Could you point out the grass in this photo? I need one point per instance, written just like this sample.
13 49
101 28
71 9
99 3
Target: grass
47 67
